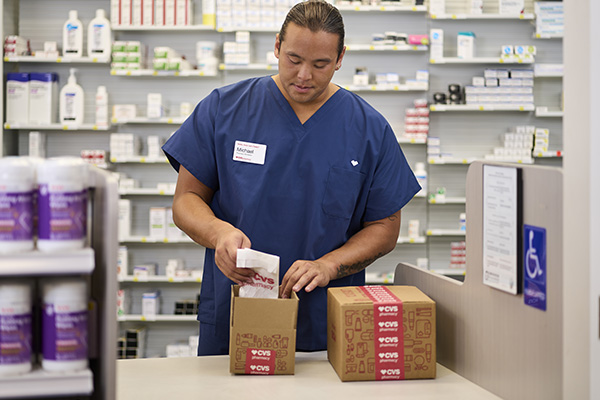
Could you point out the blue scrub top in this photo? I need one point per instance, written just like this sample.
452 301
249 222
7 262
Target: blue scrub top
319 182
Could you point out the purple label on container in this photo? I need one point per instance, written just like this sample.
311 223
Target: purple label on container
61 215
16 216
15 339
64 335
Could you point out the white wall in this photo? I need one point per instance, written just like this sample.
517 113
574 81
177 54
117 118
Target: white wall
581 185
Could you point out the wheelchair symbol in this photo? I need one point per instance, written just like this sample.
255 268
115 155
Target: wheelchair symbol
532 262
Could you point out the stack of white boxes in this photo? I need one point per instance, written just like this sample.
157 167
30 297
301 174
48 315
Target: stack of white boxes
416 121
124 145
151 12
501 86
542 140
458 255
189 349
128 55
516 146
252 14
238 52
550 20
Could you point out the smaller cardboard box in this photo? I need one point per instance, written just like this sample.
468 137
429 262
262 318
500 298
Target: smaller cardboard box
262 335
381 333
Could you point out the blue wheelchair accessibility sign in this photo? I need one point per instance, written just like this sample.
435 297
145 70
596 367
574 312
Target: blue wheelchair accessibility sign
534 266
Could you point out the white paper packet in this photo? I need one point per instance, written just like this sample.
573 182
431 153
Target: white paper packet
265 282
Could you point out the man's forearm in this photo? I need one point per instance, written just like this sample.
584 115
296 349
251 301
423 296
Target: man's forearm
370 243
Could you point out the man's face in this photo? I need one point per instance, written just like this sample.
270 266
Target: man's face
307 61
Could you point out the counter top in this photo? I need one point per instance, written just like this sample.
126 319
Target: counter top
209 378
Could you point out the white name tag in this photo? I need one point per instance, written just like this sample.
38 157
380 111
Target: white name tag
249 152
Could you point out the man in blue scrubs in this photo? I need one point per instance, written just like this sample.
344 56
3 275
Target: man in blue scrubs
290 165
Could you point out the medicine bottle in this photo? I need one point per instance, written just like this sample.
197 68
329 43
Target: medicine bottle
62 204
421 175
64 324
15 327
17 182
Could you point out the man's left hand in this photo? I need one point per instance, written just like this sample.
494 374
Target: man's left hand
305 274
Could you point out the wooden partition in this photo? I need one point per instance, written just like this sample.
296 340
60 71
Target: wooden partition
486 335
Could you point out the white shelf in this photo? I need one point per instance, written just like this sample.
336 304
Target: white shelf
60 59
547 36
192 73
482 60
548 70
449 200
482 107
483 16
451 160
159 278
249 67
548 154
445 232
164 28
408 140
138 160
409 240
386 47
548 112
380 7
157 318
40 383
378 278
57 127
386 88
146 192
245 28
146 239
36 263
146 120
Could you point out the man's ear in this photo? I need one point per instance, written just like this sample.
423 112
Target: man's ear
277 45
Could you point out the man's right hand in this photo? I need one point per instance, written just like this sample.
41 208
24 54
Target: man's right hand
226 255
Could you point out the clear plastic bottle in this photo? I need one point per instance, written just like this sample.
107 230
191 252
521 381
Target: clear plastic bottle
17 183
62 204
99 36
64 324
72 36
15 327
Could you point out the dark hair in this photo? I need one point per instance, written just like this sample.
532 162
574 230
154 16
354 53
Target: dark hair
316 15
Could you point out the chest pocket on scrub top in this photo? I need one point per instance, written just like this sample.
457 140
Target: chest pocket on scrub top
341 192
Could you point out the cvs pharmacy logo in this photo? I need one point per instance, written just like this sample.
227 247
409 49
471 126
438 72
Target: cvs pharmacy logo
260 368
392 372
389 355
260 278
388 324
388 339
388 309
264 353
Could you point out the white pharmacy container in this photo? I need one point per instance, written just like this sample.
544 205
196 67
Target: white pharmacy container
17 184
421 175
99 36
15 327
17 98
72 36
101 107
43 98
64 324
71 101
62 204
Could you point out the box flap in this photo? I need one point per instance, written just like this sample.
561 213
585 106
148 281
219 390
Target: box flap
354 295
260 313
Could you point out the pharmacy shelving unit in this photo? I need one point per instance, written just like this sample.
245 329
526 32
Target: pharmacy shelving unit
95 262
474 132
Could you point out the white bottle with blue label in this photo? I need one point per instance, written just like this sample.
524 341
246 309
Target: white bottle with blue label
71 102
73 36
99 40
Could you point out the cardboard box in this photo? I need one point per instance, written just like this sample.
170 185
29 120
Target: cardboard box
262 335
381 333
